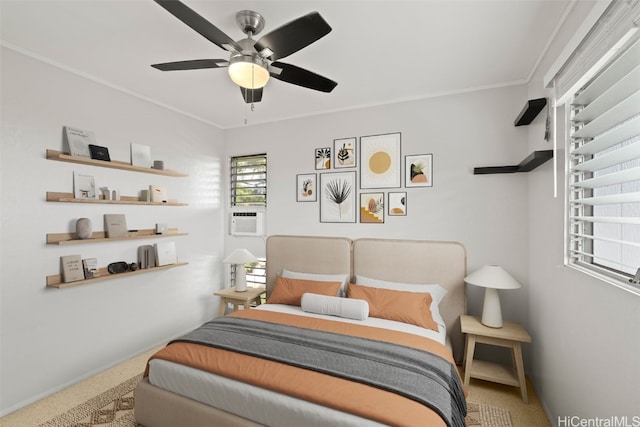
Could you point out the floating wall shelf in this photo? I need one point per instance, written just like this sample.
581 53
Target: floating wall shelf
530 111
53 196
55 281
100 237
534 160
113 164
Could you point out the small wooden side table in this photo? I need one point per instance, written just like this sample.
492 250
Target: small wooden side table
230 296
510 335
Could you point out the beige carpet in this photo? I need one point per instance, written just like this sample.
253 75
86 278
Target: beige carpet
114 408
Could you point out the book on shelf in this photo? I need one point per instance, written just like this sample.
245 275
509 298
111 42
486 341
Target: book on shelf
165 253
72 270
90 266
158 193
78 141
140 155
115 225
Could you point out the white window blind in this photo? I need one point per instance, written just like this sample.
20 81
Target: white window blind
249 180
603 166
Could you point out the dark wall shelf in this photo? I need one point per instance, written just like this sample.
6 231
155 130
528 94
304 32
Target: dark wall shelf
532 161
530 111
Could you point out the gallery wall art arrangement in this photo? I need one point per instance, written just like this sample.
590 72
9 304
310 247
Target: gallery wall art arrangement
356 173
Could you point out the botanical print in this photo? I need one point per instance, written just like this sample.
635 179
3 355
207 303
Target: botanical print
418 170
337 197
380 161
345 153
306 188
323 158
372 208
398 203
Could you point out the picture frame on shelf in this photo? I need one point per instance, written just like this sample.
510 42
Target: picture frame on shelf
397 203
84 186
323 158
380 163
99 153
344 153
418 170
372 208
338 197
306 187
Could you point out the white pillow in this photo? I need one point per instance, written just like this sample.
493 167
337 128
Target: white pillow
342 278
335 306
437 293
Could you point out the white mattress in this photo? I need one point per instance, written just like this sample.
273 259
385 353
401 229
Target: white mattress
267 407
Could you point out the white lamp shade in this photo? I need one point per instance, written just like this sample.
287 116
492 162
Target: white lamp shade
240 256
247 73
492 277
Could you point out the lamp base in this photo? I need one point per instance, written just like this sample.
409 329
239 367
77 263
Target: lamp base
241 278
491 311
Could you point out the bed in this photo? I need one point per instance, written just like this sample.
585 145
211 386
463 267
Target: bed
238 392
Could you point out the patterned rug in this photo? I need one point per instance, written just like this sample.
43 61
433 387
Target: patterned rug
114 408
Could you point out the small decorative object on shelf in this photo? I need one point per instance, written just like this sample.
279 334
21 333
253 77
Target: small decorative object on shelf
117 267
84 186
90 266
83 228
158 193
158 164
140 155
146 257
165 253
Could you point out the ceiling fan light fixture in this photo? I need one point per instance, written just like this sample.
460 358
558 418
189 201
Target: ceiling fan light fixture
248 72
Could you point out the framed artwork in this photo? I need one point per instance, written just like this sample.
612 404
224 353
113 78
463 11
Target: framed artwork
397 203
84 186
323 158
306 187
380 161
418 170
372 208
344 152
338 197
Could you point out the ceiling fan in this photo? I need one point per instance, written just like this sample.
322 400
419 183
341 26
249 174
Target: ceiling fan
252 62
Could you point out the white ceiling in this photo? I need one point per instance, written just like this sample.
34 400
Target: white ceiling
379 51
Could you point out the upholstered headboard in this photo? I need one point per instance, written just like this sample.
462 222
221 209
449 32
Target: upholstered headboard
405 261
307 254
420 262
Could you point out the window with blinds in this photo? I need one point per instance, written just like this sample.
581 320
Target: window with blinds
603 206
249 180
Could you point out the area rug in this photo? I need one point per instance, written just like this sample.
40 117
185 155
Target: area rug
114 408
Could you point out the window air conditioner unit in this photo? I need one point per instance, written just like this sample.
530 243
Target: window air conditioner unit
247 222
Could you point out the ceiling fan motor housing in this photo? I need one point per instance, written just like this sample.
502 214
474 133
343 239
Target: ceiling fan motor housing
250 22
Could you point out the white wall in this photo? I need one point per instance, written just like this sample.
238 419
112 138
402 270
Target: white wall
54 337
487 213
585 332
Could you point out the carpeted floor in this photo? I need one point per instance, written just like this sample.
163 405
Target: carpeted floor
106 400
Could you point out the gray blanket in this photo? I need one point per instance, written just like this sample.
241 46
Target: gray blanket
416 374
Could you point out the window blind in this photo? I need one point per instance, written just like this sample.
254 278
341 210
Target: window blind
603 230
249 180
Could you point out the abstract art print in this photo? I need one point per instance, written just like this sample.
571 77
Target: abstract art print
306 189
338 197
418 170
380 161
372 208
323 158
397 203
344 152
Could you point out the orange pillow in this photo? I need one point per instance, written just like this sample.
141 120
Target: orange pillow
289 291
407 307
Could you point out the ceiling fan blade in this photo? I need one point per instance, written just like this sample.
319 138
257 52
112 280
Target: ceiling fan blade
194 64
198 23
301 77
251 95
293 36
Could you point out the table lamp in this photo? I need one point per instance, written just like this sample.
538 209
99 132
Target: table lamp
240 257
492 278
